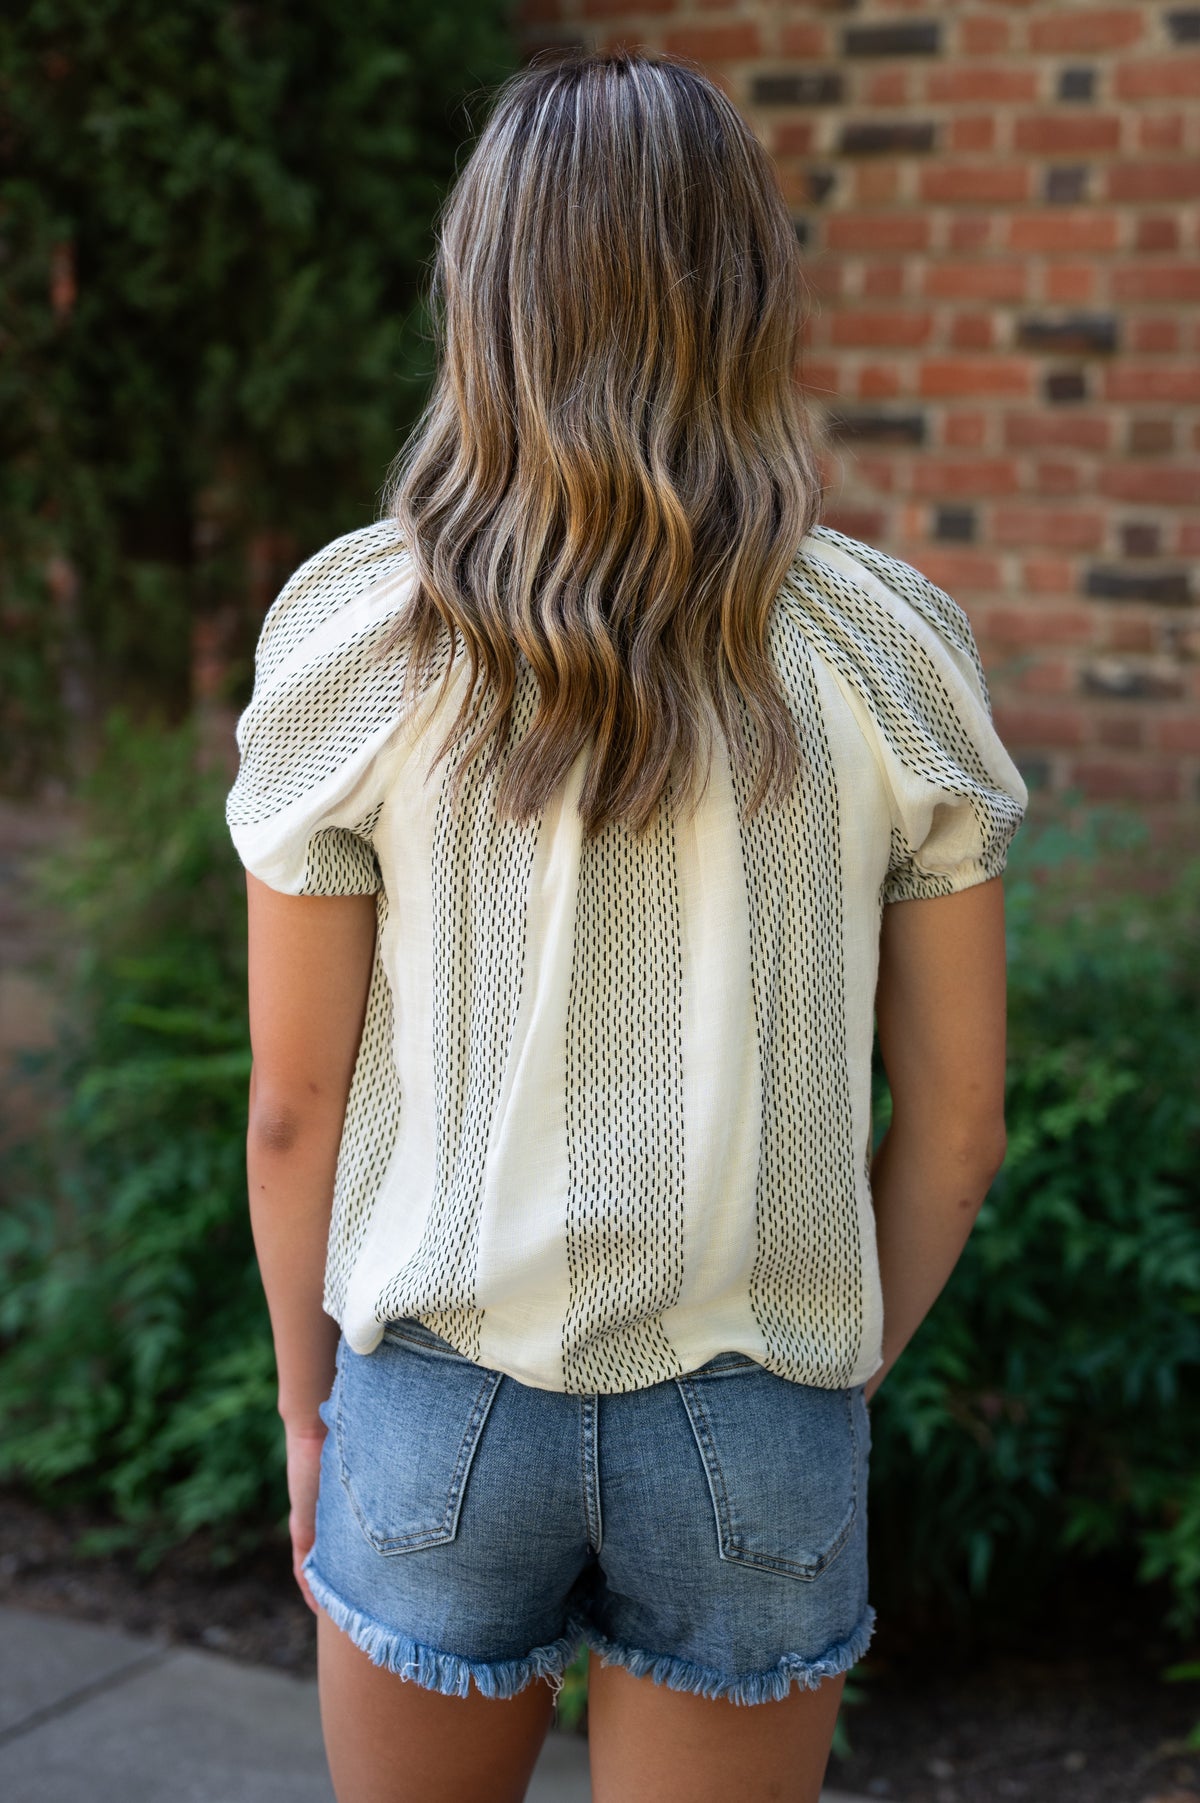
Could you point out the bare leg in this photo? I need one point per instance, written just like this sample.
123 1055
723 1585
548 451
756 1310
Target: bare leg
390 1741
648 1744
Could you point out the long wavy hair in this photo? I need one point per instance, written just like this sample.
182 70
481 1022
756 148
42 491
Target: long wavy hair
615 466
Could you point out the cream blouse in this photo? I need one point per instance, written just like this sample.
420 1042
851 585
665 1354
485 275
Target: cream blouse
611 1109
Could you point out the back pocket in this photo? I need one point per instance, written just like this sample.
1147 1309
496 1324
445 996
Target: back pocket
408 1420
785 1464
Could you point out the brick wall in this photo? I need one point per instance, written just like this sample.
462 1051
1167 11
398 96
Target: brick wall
1000 205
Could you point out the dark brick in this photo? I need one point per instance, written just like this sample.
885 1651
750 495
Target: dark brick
1141 538
1129 682
1076 84
957 523
1184 26
876 140
803 234
1168 587
1151 437
1085 333
807 87
1066 184
922 38
820 182
879 428
1036 772
1065 385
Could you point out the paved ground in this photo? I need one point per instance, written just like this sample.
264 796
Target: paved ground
89 1713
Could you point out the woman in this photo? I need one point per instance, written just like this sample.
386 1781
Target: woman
594 802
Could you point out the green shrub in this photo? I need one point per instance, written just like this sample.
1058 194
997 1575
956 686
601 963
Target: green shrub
1049 1407
1046 1412
137 1370
217 221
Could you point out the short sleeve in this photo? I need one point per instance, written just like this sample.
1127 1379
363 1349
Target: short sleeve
906 648
315 738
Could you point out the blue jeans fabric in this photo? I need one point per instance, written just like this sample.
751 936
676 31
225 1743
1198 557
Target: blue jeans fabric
710 1530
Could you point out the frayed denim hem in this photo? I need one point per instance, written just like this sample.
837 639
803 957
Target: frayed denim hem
445 1672
752 1687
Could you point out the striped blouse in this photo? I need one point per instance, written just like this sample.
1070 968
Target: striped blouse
610 1114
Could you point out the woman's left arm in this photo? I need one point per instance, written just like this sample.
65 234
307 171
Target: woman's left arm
310 969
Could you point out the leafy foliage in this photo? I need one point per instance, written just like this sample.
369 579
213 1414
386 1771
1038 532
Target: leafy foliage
215 219
1045 1413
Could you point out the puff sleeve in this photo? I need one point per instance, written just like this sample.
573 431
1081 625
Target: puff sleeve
955 796
314 739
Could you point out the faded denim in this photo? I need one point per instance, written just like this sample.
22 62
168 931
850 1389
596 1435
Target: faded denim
710 1530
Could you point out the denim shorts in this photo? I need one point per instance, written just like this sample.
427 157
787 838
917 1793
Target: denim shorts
710 1530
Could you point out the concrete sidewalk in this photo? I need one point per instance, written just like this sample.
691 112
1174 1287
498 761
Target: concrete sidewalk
86 1712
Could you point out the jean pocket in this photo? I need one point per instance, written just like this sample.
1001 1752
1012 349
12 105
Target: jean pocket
408 1424
784 1466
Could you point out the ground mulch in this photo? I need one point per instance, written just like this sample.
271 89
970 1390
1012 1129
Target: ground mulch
1090 1720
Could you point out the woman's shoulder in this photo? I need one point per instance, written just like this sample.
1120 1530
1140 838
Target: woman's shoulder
336 592
877 616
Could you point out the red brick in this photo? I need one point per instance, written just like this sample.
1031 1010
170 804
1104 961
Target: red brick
878 382
821 376
793 137
1157 282
1067 282
1049 576
877 231
875 182
967 430
1074 431
1150 335
1066 134
1056 478
876 470
1107 781
968 231
613 9
1067 527
1062 232
866 523
1154 232
1179 734
1161 131
973 131
1157 78
980 36
1151 485
1016 626
1129 634
958 570
886 87
714 43
990 280
991 83
972 332
938 476
882 281
1154 181
805 40
1038 726
976 376
1048 676
1108 28
1175 384
1187 539
1120 732
988 184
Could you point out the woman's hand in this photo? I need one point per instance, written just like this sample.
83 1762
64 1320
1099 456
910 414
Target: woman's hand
303 1477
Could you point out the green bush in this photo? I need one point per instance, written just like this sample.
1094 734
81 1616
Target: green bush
1046 1412
1049 1406
215 224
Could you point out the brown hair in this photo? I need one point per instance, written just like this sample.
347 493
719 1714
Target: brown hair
615 467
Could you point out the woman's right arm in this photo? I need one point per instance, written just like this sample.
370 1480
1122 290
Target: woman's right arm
940 1010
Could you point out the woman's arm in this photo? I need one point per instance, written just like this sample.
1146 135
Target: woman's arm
940 1009
310 969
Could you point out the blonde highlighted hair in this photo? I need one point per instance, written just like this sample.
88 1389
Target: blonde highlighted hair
615 467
